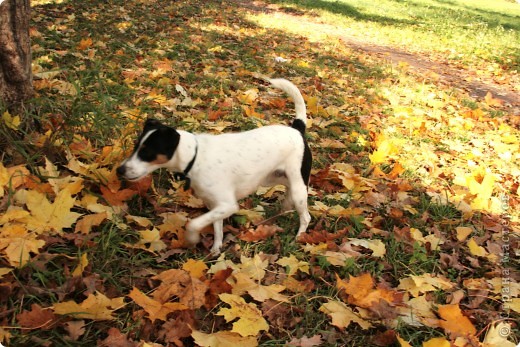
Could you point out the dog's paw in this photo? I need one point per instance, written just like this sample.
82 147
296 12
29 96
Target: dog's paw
191 236
215 251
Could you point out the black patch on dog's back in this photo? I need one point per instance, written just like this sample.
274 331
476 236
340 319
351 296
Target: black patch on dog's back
299 125
162 142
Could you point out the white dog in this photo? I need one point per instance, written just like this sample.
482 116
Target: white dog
225 168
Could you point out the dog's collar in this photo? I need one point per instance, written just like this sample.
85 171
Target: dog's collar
183 176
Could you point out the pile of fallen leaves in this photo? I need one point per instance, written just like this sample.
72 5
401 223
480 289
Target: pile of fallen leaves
414 196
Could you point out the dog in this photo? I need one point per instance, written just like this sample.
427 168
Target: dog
225 168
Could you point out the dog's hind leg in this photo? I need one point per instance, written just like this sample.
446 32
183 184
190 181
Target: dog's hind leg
298 197
287 203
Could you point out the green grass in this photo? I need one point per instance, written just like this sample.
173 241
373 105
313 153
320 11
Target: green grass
461 30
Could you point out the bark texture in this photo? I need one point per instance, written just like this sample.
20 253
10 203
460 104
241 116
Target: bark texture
15 53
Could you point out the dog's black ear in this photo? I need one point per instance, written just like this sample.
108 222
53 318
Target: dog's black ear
169 141
151 124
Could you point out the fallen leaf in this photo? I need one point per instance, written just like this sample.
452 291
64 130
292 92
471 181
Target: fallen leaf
497 335
83 263
75 329
342 315
305 341
190 291
417 285
463 233
475 249
37 318
18 244
45 215
97 307
250 321
491 101
85 224
454 322
223 339
293 264
437 342
117 338
261 232
178 327
402 342
259 292
362 292
155 309
377 246
196 268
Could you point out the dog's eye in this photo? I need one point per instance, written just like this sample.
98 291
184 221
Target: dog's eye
146 154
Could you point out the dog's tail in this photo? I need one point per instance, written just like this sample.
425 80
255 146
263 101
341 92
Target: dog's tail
300 123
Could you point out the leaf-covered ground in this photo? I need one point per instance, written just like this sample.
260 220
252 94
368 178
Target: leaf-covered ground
414 191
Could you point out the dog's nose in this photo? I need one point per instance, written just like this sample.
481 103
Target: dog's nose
120 171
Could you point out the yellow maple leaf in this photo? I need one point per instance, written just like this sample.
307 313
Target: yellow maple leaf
463 233
12 177
155 309
293 264
85 224
362 291
12 122
454 322
402 342
416 285
385 149
196 268
223 339
437 342
475 249
83 262
150 240
248 97
96 306
4 271
250 321
18 244
342 315
45 215
497 336
254 267
377 246
244 284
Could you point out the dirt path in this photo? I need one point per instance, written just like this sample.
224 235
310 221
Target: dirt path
476 87
458 78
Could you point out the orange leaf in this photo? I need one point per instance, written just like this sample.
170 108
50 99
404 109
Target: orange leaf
214 115
85 43
155 309
261 232
491 101
37 318
454 322
117 198
85 224
362 292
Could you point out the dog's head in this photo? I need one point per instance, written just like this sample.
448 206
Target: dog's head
153 150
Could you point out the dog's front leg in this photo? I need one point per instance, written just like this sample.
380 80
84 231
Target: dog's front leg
218 236
215 216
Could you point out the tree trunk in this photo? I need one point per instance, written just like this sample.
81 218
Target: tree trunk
15 53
